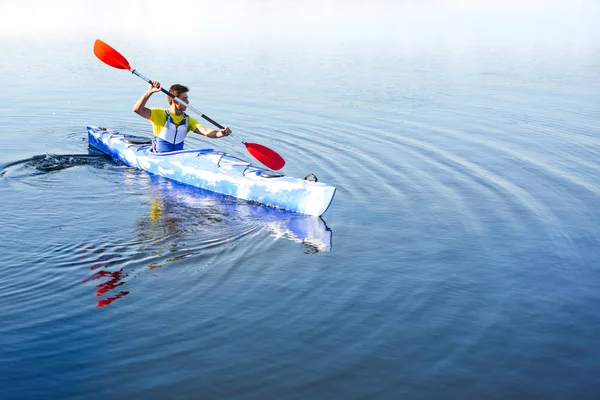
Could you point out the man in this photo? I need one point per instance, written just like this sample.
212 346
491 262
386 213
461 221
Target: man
171 125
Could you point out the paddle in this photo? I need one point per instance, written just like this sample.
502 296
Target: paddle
110 56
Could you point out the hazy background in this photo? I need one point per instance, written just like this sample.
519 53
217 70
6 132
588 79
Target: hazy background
403 23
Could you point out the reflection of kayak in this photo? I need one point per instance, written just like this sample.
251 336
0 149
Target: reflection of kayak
215 219
218 172
308 230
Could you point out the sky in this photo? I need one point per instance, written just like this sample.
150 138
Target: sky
405 22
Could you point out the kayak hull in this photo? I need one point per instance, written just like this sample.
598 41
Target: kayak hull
218 172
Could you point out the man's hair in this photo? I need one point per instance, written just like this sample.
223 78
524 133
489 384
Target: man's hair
176 90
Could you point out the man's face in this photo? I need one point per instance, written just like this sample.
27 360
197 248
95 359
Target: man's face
184 97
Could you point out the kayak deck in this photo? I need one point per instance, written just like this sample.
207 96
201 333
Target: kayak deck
216 171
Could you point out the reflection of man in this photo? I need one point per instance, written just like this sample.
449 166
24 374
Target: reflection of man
155 210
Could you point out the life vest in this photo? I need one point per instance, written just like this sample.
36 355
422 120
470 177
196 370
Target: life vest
172 133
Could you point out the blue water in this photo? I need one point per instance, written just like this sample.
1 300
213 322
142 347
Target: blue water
459 259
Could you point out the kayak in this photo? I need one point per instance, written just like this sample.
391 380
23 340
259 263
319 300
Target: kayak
217 172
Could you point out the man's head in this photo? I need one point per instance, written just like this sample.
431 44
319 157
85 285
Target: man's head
179 91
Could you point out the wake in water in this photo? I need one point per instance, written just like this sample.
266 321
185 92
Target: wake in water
47 163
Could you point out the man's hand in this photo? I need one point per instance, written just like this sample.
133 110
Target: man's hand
225 131
154 87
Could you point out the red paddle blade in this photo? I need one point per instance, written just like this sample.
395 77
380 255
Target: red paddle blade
265 155
110 56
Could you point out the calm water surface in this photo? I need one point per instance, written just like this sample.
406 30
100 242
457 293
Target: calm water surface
459 258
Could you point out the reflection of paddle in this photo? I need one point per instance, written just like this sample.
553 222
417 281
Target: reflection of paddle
110 56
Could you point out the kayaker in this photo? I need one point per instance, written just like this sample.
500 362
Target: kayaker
171 125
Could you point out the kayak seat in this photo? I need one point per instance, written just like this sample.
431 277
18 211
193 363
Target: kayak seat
137 140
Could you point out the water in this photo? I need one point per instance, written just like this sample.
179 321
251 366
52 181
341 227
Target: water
458 259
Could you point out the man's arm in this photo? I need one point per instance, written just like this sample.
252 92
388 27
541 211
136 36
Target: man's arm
212 133
140 106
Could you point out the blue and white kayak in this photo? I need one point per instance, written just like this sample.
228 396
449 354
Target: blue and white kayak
216 171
